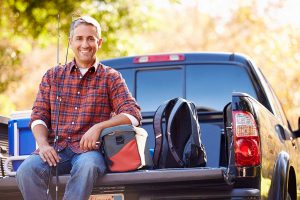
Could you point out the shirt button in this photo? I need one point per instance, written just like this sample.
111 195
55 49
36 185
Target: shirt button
69 138
78 92
80 76
76 108
73 123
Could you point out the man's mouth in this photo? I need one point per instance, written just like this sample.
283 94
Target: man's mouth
84 51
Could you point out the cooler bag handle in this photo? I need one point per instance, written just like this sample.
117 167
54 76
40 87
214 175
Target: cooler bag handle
109 130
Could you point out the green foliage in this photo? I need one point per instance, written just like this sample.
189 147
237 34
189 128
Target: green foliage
9 61
25 24
37 20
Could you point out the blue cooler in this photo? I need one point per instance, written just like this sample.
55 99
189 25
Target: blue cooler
20 138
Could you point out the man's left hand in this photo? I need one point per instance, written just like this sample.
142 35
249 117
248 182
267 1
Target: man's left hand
89 139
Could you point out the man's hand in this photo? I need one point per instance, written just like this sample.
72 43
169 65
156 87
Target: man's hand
89 139
47 152
49 155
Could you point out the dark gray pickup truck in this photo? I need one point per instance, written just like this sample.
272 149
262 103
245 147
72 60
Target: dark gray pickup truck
252 151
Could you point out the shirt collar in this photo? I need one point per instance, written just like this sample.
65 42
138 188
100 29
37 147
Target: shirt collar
93 68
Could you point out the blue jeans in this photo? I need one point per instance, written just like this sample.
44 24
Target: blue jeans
33 173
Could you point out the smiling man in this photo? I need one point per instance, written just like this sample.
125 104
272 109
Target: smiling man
75 102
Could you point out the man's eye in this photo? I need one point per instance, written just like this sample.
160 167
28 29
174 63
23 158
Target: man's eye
78 39
91 39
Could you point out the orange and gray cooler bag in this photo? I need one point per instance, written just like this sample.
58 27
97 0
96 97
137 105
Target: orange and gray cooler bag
125 148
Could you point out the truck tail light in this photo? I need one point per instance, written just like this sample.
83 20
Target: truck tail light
246 139
159 58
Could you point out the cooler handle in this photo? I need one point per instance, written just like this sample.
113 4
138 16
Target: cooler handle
10 159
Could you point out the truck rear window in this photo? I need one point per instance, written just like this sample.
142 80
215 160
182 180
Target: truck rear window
209 86
153 87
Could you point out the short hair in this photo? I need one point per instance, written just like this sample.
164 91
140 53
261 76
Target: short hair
85 20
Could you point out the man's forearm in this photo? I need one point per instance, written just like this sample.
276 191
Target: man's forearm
89 139
114 121
40 133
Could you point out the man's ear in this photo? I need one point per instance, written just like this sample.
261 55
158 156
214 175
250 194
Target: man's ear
100 42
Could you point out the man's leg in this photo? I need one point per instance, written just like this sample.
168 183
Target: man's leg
87 167
32 178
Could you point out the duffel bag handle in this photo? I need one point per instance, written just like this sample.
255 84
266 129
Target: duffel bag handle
109 130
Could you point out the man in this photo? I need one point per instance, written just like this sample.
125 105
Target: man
77 101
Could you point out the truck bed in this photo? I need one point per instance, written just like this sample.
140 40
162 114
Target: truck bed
152 184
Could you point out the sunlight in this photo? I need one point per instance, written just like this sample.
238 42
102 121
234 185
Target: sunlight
286 15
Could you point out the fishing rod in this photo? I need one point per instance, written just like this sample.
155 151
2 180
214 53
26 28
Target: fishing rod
58 99
58 103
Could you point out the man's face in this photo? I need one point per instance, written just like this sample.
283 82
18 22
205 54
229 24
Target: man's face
85 43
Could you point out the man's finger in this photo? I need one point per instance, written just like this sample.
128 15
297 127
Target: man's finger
51 159
47 159
55 155
90 145
42 157
81 144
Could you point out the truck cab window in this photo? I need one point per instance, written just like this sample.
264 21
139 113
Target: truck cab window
128 75
161 85
210 86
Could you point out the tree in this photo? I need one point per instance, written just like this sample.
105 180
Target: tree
26 25
247 28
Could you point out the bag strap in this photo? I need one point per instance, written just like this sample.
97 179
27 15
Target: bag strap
194 138
109 130
158 131
194 125
176 107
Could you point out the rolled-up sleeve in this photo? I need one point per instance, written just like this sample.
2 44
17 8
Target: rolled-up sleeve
41 106
122 100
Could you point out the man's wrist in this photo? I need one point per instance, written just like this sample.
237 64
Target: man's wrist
43 144
99 127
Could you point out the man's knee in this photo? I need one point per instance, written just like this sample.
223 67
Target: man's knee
89 168
92 163
30 167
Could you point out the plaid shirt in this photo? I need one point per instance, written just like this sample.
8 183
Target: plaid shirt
85 101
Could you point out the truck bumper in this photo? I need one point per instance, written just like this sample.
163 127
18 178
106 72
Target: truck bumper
234 194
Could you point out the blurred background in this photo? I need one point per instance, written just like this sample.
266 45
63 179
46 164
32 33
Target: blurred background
267 31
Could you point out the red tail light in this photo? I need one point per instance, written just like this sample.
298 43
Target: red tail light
246 139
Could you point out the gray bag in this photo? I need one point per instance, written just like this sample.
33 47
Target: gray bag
125 148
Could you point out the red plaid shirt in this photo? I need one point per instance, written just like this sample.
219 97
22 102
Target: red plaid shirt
86 100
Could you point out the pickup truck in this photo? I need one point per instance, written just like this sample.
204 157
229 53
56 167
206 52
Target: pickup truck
252 151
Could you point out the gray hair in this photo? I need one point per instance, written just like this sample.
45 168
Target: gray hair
85 20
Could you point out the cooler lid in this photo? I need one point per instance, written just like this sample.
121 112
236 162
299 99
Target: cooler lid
20 114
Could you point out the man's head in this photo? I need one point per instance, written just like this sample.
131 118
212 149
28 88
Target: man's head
85 20
85 40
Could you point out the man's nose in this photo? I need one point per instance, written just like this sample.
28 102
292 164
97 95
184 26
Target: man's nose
85 43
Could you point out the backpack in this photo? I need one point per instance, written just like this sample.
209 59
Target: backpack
180 144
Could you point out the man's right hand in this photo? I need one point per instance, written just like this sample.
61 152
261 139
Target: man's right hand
47 152
49 155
